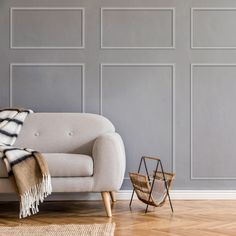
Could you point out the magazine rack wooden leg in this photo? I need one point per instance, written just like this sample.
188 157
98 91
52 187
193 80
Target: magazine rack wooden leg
143 185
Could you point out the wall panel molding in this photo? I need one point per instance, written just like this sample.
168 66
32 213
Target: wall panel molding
82 65
194 9
172 66
13 9
191 123
137 9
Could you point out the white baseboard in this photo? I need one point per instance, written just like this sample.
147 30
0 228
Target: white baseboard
203 194
190 194
126 195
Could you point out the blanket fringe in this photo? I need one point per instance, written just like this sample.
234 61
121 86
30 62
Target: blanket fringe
30 200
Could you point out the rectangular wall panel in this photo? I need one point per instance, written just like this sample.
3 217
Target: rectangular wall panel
47 87
213 28
47 28
213 115
137 28
139 100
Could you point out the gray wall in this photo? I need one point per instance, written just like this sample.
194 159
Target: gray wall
163 71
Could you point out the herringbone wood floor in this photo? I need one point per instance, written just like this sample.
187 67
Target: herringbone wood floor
191 218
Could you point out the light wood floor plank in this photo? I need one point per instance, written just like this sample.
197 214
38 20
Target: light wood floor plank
191 218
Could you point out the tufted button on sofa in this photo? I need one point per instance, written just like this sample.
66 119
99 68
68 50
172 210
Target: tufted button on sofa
83 152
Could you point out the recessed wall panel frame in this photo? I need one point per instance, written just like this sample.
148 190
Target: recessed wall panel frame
192 177
82 65
194 9
172 66
172 9
12 9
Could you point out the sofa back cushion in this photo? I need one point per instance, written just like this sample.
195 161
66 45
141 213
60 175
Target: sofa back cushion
62 132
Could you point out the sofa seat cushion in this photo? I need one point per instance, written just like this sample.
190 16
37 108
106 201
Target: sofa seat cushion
63 165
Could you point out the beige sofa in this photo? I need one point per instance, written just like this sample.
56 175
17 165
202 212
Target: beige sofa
83 151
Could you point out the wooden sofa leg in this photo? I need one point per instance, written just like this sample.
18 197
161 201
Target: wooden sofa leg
107 204
113 196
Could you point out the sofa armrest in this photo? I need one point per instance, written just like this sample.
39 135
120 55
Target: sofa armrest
109 162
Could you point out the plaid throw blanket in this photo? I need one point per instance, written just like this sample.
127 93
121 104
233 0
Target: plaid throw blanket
27 168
